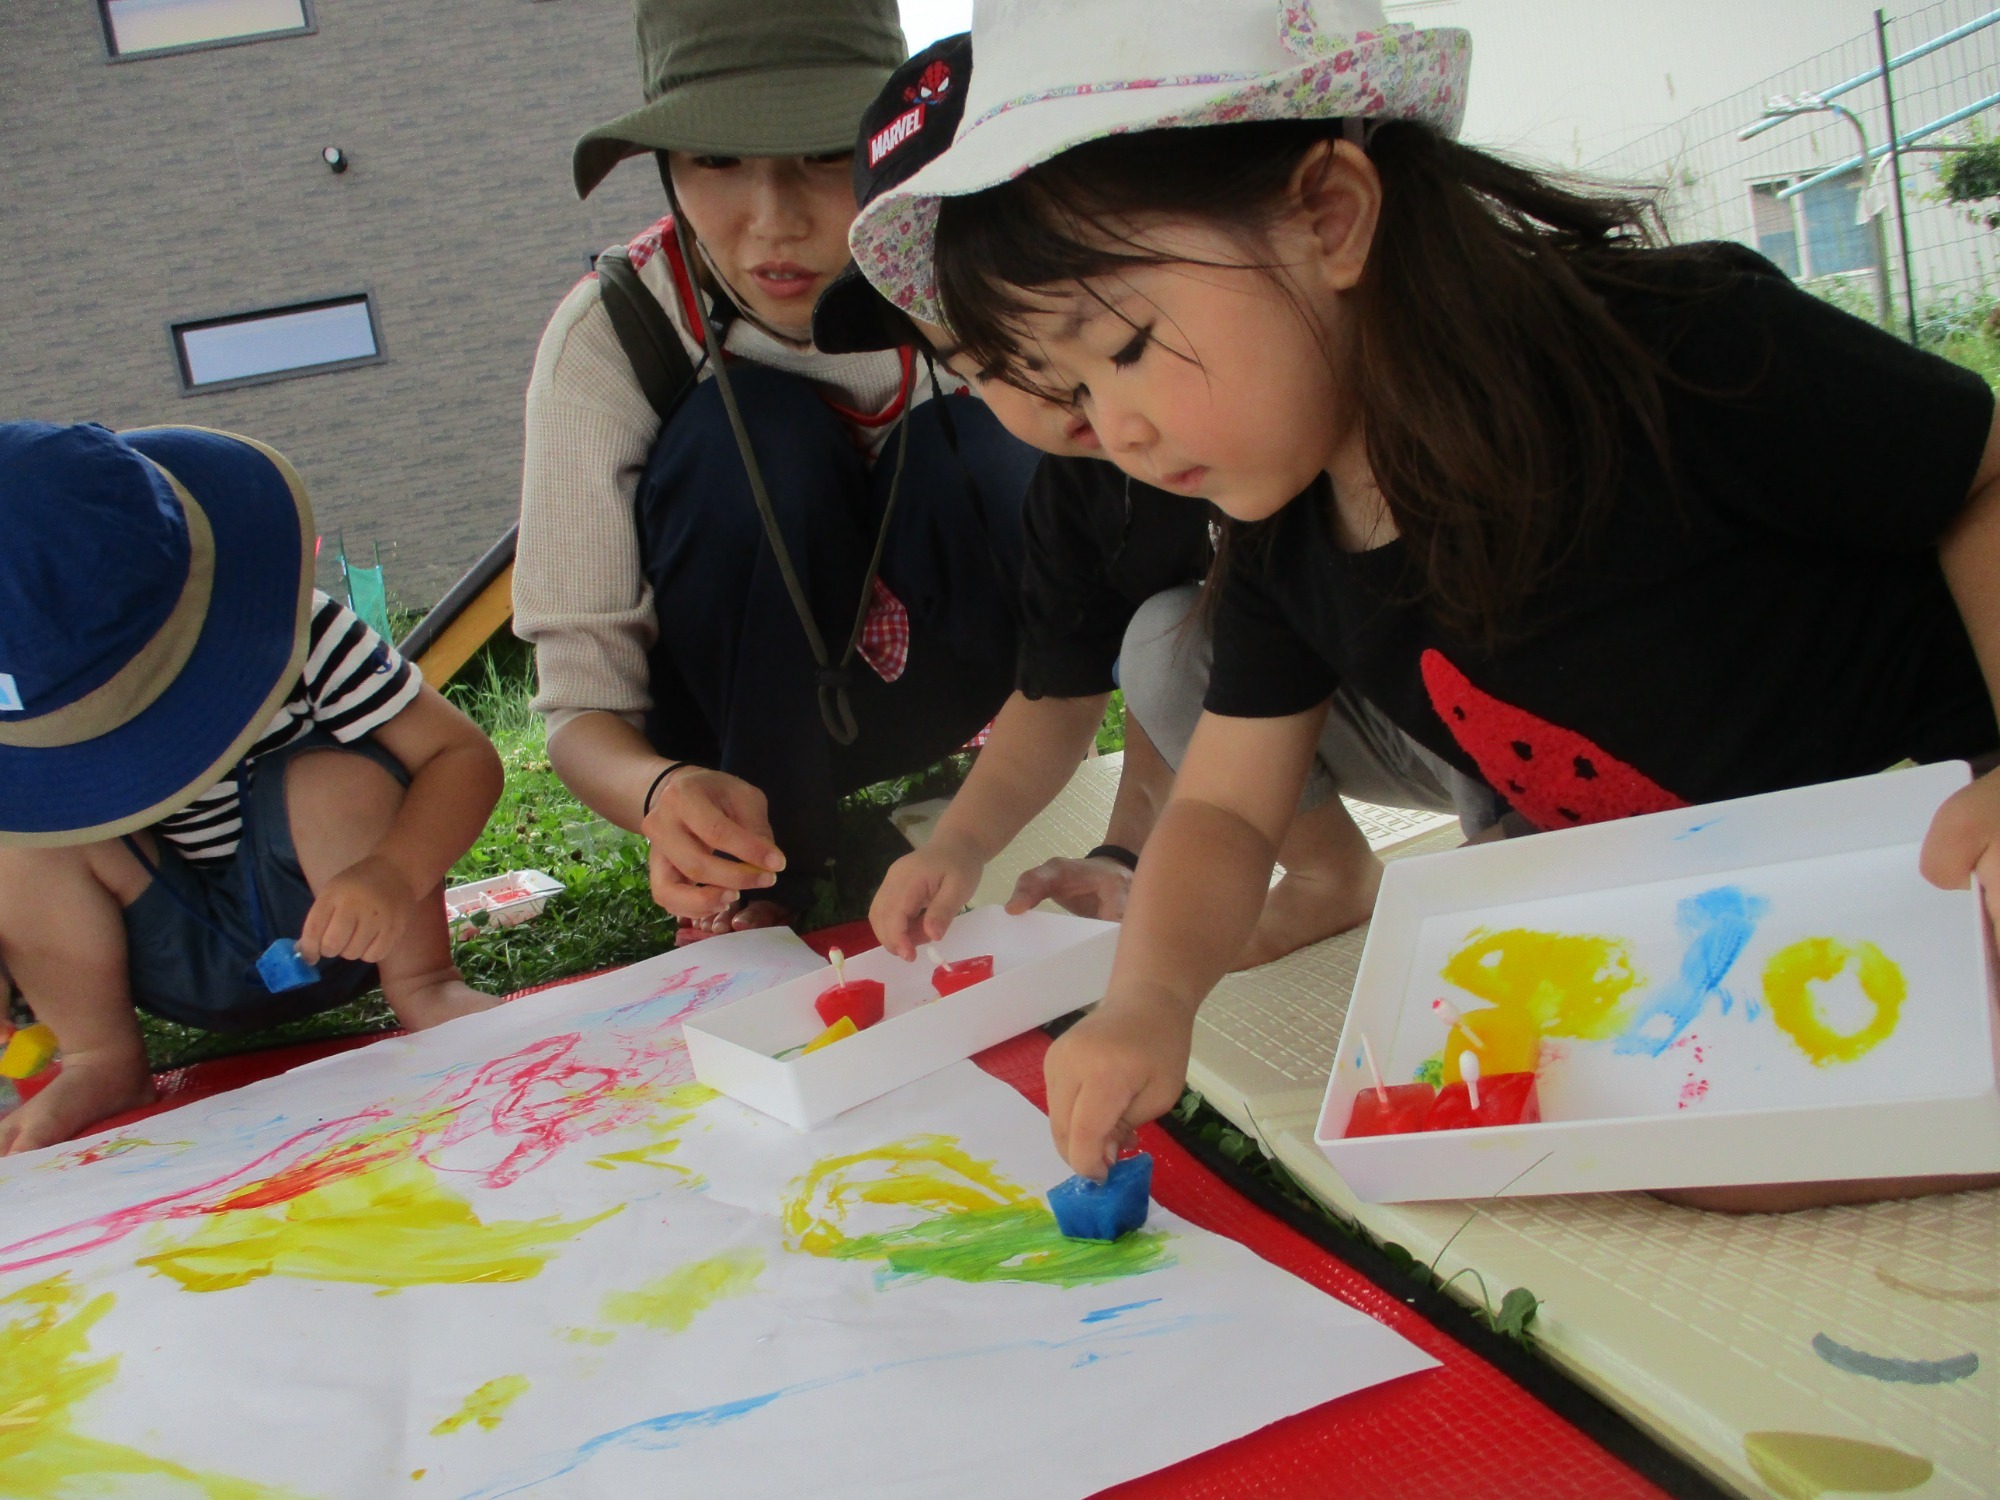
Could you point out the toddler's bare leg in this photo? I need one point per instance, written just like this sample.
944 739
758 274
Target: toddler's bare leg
62 936
341 806
1329 885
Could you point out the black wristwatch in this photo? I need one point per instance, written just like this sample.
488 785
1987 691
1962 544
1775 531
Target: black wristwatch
1116 852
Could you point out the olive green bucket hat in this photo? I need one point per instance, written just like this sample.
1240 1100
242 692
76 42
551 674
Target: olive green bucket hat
749 78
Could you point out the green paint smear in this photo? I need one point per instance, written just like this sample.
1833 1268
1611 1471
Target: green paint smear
1016 1243
46 1373
392 1226
1806 1465
675 1300
485 1406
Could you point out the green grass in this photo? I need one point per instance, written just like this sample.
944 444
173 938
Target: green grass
605 915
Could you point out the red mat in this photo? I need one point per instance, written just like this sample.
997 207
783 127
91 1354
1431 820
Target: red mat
1463 1431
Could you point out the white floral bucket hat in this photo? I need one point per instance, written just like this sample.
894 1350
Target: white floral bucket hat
1053 74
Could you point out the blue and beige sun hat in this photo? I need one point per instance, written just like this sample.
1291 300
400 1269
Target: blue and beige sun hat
155 593
1054 76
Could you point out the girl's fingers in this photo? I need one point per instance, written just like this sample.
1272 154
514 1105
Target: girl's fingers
309 934
1095 1124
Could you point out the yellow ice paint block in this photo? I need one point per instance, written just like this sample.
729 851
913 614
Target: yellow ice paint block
1506 1041
28 1051
838 1031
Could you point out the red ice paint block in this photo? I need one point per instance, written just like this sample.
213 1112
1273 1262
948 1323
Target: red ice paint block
947 978
1405 1110
1504 1099
860 1000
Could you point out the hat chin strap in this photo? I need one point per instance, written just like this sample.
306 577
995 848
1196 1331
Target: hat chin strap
153 667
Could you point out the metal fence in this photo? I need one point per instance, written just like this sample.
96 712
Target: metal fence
1799 189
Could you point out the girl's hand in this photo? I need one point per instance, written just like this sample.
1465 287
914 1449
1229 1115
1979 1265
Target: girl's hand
360 914
1088 887
711 841
1122 1065
921 894
1964 840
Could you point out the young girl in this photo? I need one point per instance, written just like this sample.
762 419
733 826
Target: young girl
1711 535
670 632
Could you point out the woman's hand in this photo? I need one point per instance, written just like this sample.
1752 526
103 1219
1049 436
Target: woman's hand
711 841
921 894
1964 840
1088 887
1117 1068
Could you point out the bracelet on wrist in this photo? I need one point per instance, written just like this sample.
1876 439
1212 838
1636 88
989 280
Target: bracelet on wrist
1117 853
646 807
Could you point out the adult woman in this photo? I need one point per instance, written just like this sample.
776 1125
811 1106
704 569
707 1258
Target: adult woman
682 580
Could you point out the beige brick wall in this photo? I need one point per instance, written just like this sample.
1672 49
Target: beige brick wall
141 193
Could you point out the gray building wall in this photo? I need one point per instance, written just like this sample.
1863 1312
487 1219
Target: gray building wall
144 192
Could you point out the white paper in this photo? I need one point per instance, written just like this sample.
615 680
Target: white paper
524 1254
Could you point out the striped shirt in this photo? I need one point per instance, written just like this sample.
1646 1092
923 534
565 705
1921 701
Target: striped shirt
353 684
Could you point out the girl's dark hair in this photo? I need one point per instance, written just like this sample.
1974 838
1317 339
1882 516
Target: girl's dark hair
1498 394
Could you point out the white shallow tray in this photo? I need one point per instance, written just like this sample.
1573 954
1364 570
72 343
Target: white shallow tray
1735 1099
1045 965
516 897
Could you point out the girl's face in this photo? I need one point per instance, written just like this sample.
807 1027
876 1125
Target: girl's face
773 227
1035 420
1219 371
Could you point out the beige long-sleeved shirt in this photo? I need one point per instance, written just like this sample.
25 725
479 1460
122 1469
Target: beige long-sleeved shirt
579 594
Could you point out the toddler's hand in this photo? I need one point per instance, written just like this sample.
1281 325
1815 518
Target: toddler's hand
1119 1067
360 914
1964 840
920 895
1088 887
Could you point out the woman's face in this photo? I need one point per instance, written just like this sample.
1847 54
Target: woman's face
773 227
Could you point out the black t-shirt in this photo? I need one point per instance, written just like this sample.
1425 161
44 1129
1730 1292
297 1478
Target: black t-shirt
1778 620
1098 546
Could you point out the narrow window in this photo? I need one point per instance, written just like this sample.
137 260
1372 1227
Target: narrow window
142 27
1837 237
277 343
1771 219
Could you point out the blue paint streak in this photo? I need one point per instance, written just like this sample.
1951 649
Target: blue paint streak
1699 828
1896 1371
1105 1314
657 1434
1717 925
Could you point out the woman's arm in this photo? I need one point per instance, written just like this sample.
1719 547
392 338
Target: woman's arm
1197 897
1964 838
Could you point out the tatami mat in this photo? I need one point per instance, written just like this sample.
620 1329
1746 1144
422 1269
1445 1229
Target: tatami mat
1838 1351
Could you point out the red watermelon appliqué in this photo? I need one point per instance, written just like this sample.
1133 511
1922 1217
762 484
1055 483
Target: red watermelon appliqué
1554 777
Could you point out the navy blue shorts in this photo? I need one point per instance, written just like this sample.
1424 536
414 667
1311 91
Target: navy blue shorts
182 970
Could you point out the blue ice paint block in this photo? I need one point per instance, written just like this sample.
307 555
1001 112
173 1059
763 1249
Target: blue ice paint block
281 968
1087 1210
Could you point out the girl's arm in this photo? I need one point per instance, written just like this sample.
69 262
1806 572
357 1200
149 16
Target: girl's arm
610 766
1964 838
455 778
1194 903
1034 749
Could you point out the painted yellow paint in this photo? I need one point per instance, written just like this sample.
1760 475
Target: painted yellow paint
1792 972
1806 1465
971 1224
483 1408
930 1174
672 1302
1560 984
394 1225
46 1375
588 1335
1507 1041
678 1106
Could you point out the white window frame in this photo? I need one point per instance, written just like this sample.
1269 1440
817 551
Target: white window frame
180 327
109 37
